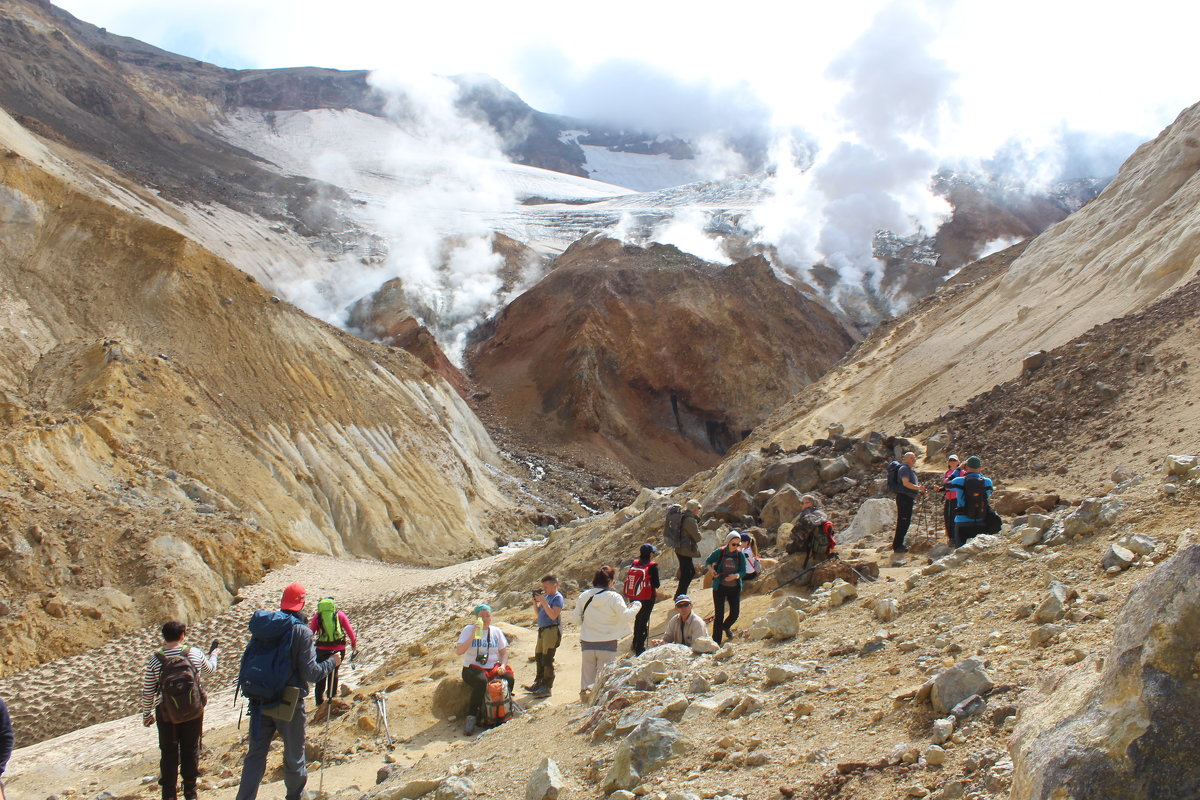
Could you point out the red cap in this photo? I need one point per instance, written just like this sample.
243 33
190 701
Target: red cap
293 598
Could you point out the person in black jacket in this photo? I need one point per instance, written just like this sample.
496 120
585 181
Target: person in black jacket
6 737
263 727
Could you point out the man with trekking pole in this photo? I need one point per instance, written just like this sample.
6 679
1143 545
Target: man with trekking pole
173 698
277 667
906 490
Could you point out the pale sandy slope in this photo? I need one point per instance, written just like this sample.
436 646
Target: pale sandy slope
1134 244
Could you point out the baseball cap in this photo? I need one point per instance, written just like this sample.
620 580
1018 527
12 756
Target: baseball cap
683 600
293 598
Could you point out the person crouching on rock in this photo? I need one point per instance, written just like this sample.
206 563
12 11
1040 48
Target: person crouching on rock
684 627
808 534
727 565
484 649
603 620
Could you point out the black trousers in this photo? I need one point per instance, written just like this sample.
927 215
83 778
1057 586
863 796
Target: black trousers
721 623
904 514
687 573
966 531
641 626
179 752
949 510
478 681
325 685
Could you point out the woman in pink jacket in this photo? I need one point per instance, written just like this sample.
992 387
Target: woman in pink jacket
330 628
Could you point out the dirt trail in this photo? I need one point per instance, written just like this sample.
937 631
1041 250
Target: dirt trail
389 605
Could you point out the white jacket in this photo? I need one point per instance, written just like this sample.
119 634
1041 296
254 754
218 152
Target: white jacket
607 618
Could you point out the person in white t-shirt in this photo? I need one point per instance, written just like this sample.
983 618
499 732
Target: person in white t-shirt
484 649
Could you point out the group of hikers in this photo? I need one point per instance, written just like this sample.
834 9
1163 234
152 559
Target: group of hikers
288 651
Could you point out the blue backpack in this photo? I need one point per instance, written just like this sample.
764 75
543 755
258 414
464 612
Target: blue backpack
267 662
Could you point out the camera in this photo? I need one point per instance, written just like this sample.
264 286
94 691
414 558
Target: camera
536 592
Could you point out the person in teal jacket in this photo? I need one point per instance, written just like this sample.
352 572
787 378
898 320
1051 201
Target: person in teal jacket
727 566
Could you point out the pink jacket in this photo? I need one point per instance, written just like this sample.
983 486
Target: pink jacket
314 624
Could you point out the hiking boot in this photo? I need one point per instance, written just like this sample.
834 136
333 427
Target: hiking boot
469 725
533 687
541 691
900 549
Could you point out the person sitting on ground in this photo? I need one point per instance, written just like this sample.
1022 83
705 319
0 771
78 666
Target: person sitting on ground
331 627
484 649
974 489
683 627
950 504
689 532
178 742
548 603
647 595
750 550
808 534
727 566
603 620
906 496
6 737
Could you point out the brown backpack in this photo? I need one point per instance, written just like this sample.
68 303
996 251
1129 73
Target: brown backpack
183 696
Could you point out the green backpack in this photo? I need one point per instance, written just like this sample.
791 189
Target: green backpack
329 627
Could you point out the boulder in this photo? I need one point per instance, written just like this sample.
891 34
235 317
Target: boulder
450 698
705 644
1139 544
956 684
1093 514
1128 731
874 516
1034 361
1181 465
837 569
1117 557
454 788
783 507
546 782
834 468
1054 607
801 472
1014 502
733 509
837 486
782 673
779 624
1030 535
886 609
410 789
651 743
841 592
935 447
943 729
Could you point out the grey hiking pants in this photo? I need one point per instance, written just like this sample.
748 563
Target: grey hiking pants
262 730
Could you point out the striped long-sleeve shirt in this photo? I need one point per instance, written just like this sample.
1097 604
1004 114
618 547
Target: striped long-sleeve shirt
205 665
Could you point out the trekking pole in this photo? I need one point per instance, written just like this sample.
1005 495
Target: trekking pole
381 708
807 571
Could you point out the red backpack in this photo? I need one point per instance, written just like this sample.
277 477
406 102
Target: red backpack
827 529
637 581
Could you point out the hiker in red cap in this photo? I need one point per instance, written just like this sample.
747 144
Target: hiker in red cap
279 637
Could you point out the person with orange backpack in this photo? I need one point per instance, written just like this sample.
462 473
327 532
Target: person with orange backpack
173 697
641 584
330 627
484 650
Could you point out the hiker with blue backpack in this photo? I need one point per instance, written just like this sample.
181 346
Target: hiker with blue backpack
173 697
279 663
973 514
331 627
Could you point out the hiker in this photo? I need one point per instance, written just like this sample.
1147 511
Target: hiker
683 627
974 489
906 490
549 605
750 549
641 584
484 649
269 633
331 627
808 532
603 619
950 504
727 566
689 547
6 737
173 697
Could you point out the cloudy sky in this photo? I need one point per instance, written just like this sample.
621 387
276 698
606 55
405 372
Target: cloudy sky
1024 68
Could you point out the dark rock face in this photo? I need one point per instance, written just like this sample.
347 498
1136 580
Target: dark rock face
1130 732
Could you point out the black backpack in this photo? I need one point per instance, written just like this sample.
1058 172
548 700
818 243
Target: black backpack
673 528
183 698
893 476
974 498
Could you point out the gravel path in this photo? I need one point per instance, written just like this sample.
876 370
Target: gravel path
88 702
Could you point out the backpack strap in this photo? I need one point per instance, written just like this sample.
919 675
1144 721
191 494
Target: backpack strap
589 602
